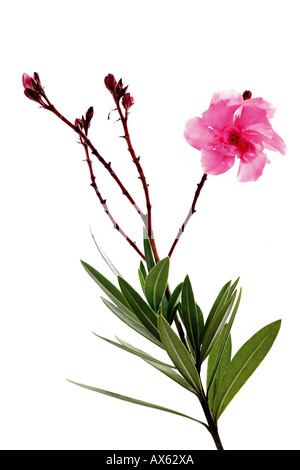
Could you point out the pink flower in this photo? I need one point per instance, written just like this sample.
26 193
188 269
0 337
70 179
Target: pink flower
234 127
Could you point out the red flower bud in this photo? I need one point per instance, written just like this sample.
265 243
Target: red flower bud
33 88
247 95
84 122
110 82
127 101
32 95
27 81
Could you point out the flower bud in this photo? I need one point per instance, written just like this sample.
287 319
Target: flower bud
27 81
247 95
127 101
110 82
33 88
88 117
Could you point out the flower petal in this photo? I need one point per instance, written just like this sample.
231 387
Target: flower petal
251 171
261 103
275 143
197 134
219 115
232 96
253 118
26 80
215 163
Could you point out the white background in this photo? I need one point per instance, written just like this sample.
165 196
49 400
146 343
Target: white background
174 55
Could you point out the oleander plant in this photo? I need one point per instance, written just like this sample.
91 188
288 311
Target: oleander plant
235 127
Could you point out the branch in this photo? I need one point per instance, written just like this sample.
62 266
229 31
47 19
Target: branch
95 152
136 160
103 201
191 212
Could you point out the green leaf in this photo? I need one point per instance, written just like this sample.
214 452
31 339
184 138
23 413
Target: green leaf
135 351
156 283
173 303
178 354
190 314
166 369
215 327
135 401
142 274
200 321
223 342
172 374
164 306
216 367
242 366
110 290
148 252
218 303
232 288
142 280
106 258
127 317
143 270
140 308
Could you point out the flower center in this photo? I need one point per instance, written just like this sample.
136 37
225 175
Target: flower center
231 135
234 137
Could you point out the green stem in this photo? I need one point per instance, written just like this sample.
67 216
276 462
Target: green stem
212 425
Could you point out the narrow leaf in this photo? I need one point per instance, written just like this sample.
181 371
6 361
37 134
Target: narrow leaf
143 270
142 279
132 322
148 252
141 309
233 286
200 322
164 306
166 369
216 368
178 354
135 401
110 290
215 327
156 283
222 343
105 257
172 374
173 303
242 366
218 303
189 314
131 349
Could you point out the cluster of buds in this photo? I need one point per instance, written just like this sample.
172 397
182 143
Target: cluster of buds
84 122
118 91
33 88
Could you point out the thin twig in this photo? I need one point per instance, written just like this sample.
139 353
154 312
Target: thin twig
95 152
136 160
103 201
190 213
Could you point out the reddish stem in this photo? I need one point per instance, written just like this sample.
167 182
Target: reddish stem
95 152
103 201
191 212
136 160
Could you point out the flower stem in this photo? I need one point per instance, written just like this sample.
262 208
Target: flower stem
95 152
136 160
103 201
190 213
